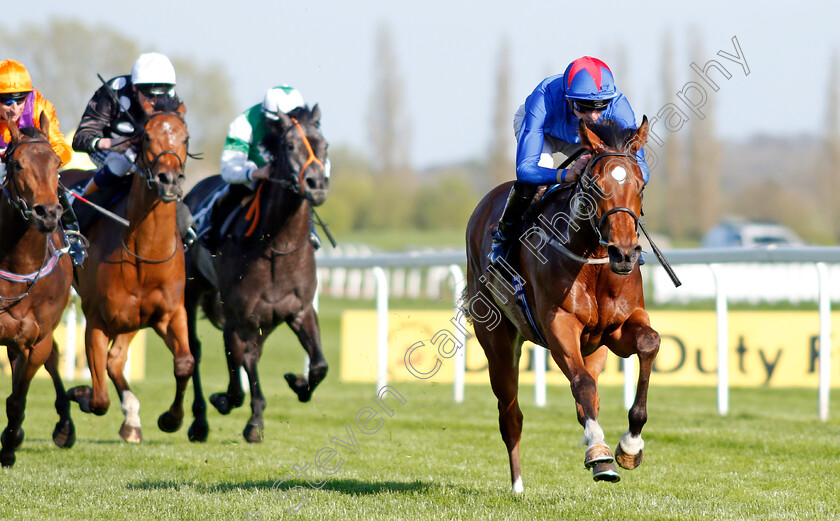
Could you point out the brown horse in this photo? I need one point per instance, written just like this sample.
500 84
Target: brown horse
35 277
265 271
584 291
134 276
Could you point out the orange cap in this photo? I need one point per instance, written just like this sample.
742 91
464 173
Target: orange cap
14 77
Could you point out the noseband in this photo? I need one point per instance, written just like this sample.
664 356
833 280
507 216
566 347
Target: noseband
598 221
16 199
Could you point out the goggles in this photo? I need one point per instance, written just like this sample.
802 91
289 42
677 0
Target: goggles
153 90
11 98
584 106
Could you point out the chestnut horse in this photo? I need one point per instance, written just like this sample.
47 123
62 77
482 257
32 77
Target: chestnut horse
134 276
585 293
265 271
35 277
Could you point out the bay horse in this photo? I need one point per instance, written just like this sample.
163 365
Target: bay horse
584 293
265 271
134 276
35 276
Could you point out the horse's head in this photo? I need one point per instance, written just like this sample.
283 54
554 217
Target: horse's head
614 181
32 175
164 147
300 153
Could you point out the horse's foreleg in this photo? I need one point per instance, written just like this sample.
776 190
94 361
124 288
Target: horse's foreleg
199 429
175 334
564 344
235 351
253 432
23 369
306 328
636 336
94 399
131 430
64 434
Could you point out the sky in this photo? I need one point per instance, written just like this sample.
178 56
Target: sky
447 57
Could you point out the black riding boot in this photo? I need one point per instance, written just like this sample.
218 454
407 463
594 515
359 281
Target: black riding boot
517 202
77 242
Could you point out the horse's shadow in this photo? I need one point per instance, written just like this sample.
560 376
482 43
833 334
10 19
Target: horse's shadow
352 487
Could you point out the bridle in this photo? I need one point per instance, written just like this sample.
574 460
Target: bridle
145 168
15 198
295 183
587 184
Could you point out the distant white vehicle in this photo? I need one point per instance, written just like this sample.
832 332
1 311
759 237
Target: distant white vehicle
742 234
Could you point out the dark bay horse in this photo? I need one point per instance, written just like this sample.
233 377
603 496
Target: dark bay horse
134 276
35 277
265 271
578 267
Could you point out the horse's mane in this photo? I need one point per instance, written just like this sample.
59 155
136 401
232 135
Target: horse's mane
611 133
31 132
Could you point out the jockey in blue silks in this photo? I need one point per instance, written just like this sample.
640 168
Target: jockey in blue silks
548 123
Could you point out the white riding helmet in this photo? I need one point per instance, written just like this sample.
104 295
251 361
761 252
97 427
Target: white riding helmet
153 68
281 99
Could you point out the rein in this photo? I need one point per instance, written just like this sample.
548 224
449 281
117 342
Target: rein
253 213
150 261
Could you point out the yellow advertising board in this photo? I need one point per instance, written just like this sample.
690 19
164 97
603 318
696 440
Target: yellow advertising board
766 348
135 365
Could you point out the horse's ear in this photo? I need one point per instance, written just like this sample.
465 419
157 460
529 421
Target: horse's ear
589 139
148 107
640 137
316 114
13 128
44 125
181 110
284 120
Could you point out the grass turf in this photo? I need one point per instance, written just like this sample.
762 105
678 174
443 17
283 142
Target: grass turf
769 459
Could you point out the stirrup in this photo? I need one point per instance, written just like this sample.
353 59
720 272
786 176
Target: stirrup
78 244
315 240
189 238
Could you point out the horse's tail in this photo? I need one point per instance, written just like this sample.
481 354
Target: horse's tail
463 305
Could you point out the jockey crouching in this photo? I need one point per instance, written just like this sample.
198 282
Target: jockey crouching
245 160
24 105
115 116
548 123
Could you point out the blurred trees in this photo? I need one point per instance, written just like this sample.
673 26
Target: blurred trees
65 56
501 164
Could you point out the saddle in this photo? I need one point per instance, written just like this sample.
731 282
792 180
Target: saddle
216 214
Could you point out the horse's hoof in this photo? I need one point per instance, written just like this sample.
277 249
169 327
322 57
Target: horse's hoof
64 434
220 402
12 440
81 394
598 454
627 461
198 431
7 458
168 422
605 471
253 433
131 434
300 386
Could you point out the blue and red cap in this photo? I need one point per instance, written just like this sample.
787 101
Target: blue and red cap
589 78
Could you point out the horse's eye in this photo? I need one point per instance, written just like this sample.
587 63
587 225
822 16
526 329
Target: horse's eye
290 147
